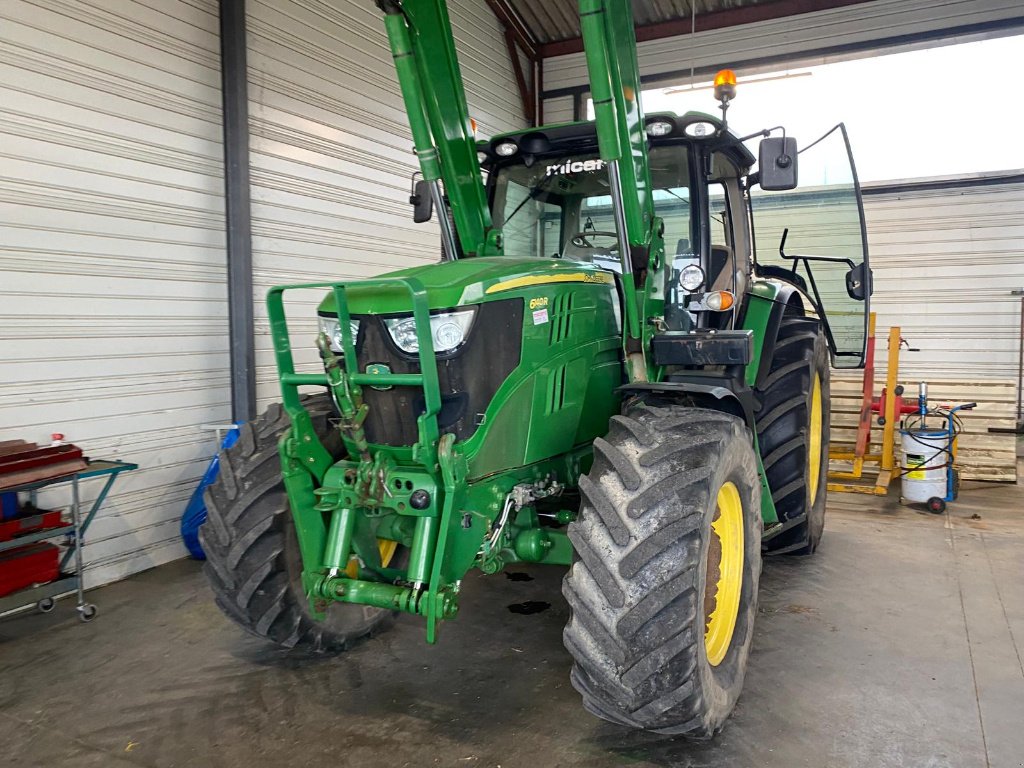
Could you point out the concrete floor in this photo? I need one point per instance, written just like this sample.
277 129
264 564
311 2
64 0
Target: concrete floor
899 644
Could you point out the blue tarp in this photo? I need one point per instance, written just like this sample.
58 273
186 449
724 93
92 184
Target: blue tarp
195 512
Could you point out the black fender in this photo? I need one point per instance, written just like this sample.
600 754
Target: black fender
787 301
717 392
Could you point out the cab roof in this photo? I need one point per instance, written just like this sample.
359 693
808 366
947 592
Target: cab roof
581 137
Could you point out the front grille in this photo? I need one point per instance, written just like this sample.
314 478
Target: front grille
468 377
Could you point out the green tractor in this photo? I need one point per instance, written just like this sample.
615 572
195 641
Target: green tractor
603 372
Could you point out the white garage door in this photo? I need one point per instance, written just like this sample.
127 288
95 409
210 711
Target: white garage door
112 270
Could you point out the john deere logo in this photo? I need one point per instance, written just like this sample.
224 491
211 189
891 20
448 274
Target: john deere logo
379 369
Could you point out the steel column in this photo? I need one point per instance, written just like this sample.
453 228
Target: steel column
238 218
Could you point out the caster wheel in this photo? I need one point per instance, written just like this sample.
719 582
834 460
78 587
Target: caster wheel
936 505
45 605
87 612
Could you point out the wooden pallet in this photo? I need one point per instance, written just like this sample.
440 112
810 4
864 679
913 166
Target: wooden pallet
982 455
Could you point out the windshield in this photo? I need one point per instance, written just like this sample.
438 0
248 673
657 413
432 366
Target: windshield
561 207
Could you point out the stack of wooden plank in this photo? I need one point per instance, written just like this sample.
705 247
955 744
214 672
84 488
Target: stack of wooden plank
23 462
982 455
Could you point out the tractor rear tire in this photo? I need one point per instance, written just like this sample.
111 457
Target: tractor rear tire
649 649
253 562
793 434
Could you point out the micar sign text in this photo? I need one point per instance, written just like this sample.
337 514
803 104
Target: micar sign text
575 166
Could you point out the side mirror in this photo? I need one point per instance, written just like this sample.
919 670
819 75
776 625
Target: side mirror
421 201
858 282
776 159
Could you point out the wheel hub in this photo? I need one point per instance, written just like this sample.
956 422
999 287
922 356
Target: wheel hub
724 580
814 440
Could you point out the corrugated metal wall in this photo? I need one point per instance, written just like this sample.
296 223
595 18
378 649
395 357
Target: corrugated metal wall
945 261
111 229
807 38
112 294
331 152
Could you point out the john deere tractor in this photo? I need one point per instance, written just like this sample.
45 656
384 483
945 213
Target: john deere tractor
603 372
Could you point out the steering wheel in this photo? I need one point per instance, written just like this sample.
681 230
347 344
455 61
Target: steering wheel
580 239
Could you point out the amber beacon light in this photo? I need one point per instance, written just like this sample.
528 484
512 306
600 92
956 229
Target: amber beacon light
725 85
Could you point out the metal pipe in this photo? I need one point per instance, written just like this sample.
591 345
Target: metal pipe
619 212
445 223
76 518
1020 356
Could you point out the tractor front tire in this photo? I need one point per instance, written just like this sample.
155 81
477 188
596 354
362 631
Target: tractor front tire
663 596
793 434
253 562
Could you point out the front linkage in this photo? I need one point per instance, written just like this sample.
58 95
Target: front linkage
367 486
417 494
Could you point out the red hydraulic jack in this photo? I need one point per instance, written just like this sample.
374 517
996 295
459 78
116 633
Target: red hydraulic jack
889 409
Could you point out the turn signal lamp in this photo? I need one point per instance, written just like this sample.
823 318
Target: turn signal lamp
725 85
719 301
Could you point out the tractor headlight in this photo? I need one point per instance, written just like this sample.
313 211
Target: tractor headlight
332 327
691 277
448 330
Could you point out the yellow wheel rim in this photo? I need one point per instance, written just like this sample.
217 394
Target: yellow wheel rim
814 443
725 574
387 551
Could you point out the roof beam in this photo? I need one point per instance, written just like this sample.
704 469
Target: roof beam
730 17
514 24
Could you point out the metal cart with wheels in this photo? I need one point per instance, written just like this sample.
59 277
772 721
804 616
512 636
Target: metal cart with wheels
43 596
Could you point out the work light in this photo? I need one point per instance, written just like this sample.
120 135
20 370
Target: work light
691 277
659 128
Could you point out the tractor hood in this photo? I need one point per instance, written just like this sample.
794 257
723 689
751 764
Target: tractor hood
467 281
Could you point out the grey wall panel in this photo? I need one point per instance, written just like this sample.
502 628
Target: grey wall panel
945 262
803 39
559 110
111 252
331 152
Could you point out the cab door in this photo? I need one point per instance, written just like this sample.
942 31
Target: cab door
814 237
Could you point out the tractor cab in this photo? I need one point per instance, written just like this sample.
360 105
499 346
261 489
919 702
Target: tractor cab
550 195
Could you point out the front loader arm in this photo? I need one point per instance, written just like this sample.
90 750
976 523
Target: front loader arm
423 48
610 45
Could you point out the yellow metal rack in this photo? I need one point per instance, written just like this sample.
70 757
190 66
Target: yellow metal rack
854 481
